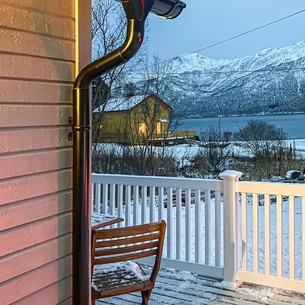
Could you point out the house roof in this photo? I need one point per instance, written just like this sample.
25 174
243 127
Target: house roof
124 103
127 103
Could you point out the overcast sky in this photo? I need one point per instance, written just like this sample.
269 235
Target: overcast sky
206 22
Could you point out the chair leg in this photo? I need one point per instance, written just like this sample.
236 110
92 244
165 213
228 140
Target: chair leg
145 297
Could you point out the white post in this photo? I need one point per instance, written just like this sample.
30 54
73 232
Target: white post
229 178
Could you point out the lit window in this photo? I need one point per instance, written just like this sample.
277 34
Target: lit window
142 128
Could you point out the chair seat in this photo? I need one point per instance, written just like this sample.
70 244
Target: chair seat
119 278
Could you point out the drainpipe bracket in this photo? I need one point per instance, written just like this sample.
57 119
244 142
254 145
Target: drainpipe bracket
81 128
70 134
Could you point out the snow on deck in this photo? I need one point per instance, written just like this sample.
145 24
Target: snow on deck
183 288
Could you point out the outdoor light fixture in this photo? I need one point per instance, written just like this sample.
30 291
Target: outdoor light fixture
169 9
136 12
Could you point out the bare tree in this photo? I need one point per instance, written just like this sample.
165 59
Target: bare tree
216 150
151 78
143 142
108 32
266 143
155 80
261 138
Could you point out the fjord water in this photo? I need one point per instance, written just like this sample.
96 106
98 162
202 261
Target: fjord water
292 124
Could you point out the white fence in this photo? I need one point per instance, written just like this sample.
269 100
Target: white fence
226 229
271 234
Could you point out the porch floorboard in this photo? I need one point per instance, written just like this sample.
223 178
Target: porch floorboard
183 288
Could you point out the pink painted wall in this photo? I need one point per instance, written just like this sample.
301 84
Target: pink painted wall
38 62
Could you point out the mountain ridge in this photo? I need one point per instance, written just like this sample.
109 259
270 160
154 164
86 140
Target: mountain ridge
271 81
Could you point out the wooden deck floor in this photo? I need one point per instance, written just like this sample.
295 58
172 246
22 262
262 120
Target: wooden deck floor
182 288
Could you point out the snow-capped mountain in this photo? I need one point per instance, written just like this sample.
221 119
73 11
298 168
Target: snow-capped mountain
271 81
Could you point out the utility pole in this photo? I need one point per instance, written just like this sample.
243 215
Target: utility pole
219 130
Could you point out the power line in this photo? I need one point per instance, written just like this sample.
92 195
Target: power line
228 71
245 33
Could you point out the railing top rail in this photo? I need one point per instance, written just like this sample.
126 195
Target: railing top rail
288 189
159 181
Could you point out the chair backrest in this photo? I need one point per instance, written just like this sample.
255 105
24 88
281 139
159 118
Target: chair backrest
128 243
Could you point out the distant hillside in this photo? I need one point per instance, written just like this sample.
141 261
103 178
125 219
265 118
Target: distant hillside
269 82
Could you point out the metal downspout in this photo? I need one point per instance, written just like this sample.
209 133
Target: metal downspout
81 155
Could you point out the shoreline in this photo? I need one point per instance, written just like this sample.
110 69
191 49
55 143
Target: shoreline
291 124
242 116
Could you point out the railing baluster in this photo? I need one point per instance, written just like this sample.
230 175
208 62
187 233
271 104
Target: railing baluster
135 204
291 237
255 228
303 238
218 230
198 234
93 186
267 235
244 225
160 203
237 228
127 205
144 204
120 202
98 198
152 204
178 201
279 234
112 199
207 229
169 221
105 198
188 228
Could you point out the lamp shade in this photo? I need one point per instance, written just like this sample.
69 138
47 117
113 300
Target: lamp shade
139 9
169 9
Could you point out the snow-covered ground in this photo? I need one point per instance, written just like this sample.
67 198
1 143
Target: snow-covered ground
183 152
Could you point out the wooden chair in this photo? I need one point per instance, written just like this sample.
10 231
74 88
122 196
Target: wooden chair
114 251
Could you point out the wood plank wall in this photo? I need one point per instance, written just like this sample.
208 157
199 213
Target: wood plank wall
37 69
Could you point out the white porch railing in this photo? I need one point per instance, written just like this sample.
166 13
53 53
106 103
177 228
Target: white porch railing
272 234
225 229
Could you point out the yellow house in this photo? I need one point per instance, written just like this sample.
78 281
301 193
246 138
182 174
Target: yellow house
132 120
